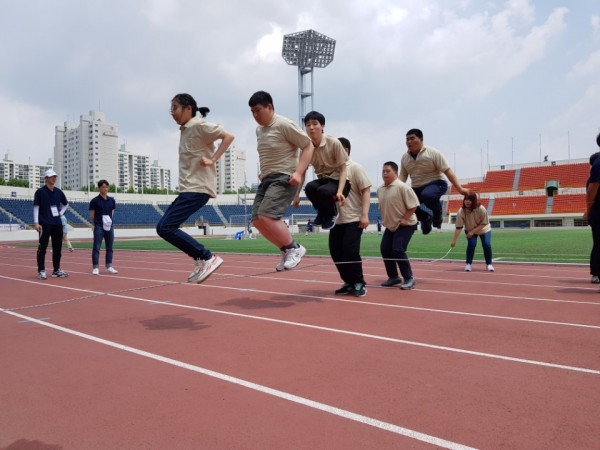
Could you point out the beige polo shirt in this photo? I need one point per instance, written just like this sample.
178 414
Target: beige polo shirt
429 165
472 219
278 145
394 200
359 181
328 157
197 140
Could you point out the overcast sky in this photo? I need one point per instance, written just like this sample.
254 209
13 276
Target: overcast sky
488 82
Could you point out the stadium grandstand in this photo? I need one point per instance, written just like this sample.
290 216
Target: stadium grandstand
549 194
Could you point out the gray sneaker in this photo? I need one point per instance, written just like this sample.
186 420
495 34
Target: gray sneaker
408 284
42 275
59 274
392 282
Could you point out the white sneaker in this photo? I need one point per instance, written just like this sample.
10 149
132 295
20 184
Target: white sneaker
281 266
95 271
468 268
490 268
111 269
42 275
198 265
209 267
595 279
293 256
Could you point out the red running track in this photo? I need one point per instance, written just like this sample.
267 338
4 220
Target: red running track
254 359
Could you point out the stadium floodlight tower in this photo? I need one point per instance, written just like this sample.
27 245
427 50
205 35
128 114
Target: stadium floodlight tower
307 50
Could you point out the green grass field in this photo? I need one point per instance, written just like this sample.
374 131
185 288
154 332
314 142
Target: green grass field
537 245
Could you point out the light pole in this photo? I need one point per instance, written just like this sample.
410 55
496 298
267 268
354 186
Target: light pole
307 50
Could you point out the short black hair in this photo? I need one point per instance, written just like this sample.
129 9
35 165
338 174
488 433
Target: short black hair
315 115
103 182
261 98
345 143
392 164
418 133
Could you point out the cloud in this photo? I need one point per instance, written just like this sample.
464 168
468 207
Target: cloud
463 71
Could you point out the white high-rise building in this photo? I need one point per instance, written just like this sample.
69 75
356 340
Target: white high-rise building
135 172
32 173
86 152
160 178
231 170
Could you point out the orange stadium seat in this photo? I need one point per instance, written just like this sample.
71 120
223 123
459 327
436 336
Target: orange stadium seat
570 203
567 175
520 205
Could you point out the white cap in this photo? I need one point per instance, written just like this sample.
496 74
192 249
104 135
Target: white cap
49 173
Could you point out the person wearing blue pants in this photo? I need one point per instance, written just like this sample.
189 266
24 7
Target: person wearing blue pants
428 170
398 204
197 181
474 219
592 212
102 210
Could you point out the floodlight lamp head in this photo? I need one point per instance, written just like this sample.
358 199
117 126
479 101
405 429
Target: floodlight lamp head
308 49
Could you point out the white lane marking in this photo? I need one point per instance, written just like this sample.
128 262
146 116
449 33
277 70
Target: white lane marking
334 330
260 388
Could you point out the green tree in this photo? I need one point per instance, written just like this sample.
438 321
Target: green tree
17 183
92 188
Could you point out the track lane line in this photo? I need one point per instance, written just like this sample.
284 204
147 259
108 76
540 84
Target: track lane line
345 414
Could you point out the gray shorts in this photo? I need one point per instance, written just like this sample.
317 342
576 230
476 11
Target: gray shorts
274 196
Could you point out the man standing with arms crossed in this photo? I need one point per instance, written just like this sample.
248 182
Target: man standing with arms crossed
281 172
426 167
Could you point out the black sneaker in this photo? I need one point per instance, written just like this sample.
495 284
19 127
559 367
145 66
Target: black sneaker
318 220
392 282
360 290
426 225
329 222
59 274
345 289
437 222
408 284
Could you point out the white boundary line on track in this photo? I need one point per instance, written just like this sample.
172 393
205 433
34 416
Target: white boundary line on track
229 276
322 328
258 387
333 299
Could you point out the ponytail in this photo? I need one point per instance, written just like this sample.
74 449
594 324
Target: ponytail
186 100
